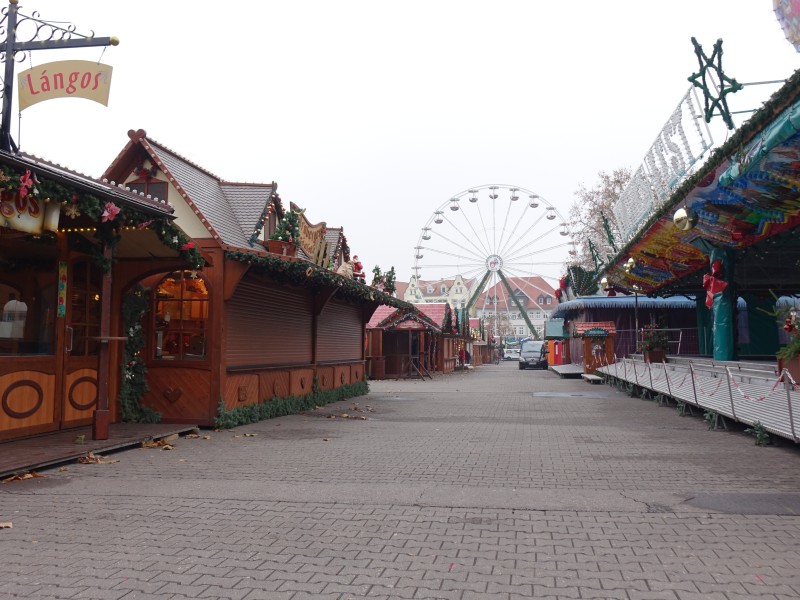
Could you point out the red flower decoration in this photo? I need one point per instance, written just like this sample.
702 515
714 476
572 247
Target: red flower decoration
111 212
187 246
26 183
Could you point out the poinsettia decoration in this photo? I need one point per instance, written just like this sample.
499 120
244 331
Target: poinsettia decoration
110 213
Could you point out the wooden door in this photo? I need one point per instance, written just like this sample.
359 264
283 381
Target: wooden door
81 345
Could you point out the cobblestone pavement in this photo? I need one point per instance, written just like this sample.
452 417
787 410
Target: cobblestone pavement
496 483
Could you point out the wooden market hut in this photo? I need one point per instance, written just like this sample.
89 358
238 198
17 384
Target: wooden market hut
402 342
597 340
249 326
65 242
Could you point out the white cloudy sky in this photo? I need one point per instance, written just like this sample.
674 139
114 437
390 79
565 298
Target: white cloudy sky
372 113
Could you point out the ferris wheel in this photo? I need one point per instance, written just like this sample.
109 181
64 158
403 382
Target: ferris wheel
502 240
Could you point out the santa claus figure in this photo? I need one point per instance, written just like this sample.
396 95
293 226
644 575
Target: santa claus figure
358 270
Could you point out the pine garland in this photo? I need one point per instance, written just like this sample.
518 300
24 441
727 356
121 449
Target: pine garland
133 382
280 407
75 204
308 275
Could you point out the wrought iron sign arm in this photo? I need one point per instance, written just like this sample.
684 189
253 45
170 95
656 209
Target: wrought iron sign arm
45 35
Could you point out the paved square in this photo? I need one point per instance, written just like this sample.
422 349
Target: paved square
496 483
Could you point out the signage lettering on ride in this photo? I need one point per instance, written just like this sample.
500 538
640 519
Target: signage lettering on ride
65 79
679 146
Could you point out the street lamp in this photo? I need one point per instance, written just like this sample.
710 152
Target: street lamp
629 265
636 289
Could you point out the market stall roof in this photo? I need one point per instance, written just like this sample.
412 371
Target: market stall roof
232 212
746 198
85 184
569 309
389 317
433 310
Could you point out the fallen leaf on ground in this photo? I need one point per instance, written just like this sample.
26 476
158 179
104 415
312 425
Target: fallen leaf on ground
63 469
80 439
196 436
23 476
250 434
95 459
325 440
6 525
157 444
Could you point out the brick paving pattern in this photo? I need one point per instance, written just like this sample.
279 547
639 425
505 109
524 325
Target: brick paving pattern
492 484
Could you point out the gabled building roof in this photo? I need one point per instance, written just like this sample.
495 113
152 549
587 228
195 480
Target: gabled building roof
387 317
436 285
531 287
231 212
85 184
400 288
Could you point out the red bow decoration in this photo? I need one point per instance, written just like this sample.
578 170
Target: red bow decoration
713 284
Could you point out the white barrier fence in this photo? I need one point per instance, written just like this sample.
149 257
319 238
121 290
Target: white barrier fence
745 394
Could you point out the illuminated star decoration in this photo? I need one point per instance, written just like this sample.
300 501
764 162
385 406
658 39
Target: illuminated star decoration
726 84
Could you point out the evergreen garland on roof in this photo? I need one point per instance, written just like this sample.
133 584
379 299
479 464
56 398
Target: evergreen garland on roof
307 275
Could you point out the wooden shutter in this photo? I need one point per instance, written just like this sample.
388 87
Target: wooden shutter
268 324
340 332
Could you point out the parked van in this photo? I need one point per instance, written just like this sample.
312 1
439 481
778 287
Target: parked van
533 355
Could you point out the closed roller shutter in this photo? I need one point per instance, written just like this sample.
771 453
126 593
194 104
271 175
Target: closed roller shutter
339 332
268 324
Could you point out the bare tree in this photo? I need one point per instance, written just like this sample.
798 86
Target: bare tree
592 217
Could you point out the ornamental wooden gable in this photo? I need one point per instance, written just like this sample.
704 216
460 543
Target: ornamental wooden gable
233 214
594 329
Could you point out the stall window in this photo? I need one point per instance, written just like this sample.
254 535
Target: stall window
85 309
28 304
181 318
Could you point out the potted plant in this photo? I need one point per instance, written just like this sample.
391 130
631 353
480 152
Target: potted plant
654 343
789 355
287 233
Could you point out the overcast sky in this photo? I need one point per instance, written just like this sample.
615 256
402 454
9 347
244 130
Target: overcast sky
371 114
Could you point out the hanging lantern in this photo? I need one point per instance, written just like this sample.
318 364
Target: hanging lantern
438 219
534 200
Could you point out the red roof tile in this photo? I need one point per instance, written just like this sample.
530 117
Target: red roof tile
380 314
